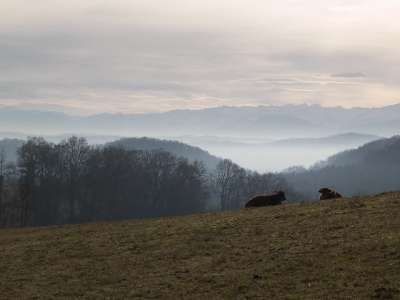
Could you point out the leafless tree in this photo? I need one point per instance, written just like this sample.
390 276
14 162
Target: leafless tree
227 174
2 173
74 154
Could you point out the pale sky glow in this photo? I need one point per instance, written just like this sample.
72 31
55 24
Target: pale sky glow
92 56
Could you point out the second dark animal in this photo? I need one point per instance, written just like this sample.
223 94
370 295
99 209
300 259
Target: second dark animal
327 193
266 200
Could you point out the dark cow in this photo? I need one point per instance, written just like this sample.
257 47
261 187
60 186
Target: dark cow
327 193
267 200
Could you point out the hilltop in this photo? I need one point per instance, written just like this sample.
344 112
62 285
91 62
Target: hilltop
368 169
179 149
381 151
191 153
336 249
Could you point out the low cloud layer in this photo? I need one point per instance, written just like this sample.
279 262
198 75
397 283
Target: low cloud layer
349 75
139 56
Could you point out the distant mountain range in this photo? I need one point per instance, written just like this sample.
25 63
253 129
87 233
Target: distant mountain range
269 122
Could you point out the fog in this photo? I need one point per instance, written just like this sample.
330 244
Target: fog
269 156
272 159
270 138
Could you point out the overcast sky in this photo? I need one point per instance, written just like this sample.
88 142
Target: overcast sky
91 56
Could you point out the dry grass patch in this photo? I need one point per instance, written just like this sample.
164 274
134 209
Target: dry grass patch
340 249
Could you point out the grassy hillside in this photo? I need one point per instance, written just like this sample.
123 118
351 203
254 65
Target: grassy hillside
330 250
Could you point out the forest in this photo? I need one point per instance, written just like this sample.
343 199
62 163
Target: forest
74 182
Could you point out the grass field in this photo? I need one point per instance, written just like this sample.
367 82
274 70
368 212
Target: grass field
340 249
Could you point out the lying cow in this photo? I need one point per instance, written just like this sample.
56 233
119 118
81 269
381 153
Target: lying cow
327 193
266 200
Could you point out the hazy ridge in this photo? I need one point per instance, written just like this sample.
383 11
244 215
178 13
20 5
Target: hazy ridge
368 169
285 121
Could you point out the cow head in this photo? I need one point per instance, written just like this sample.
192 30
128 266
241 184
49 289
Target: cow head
325 191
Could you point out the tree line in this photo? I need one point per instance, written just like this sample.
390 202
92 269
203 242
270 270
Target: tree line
73 182
370 169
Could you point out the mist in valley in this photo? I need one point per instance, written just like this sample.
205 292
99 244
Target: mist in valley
272 156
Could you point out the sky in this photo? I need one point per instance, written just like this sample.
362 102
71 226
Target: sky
95 56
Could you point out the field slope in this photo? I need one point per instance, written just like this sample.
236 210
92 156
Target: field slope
341 249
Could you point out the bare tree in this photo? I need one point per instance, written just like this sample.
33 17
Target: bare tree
2 172
73 182
235 185
227 174
74 155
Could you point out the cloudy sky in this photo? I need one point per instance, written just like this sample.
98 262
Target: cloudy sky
92 56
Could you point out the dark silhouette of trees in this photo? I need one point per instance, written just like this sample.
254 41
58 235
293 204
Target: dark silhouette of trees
73 182
38 171
8 191
2 173
225 179
72 157
234 185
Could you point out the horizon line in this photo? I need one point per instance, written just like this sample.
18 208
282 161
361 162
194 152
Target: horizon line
61 111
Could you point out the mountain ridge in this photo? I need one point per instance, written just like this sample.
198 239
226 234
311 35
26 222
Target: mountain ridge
271 121
369 169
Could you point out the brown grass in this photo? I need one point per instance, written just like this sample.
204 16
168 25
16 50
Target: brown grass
340 249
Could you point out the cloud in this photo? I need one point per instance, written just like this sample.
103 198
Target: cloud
135 56
349 75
